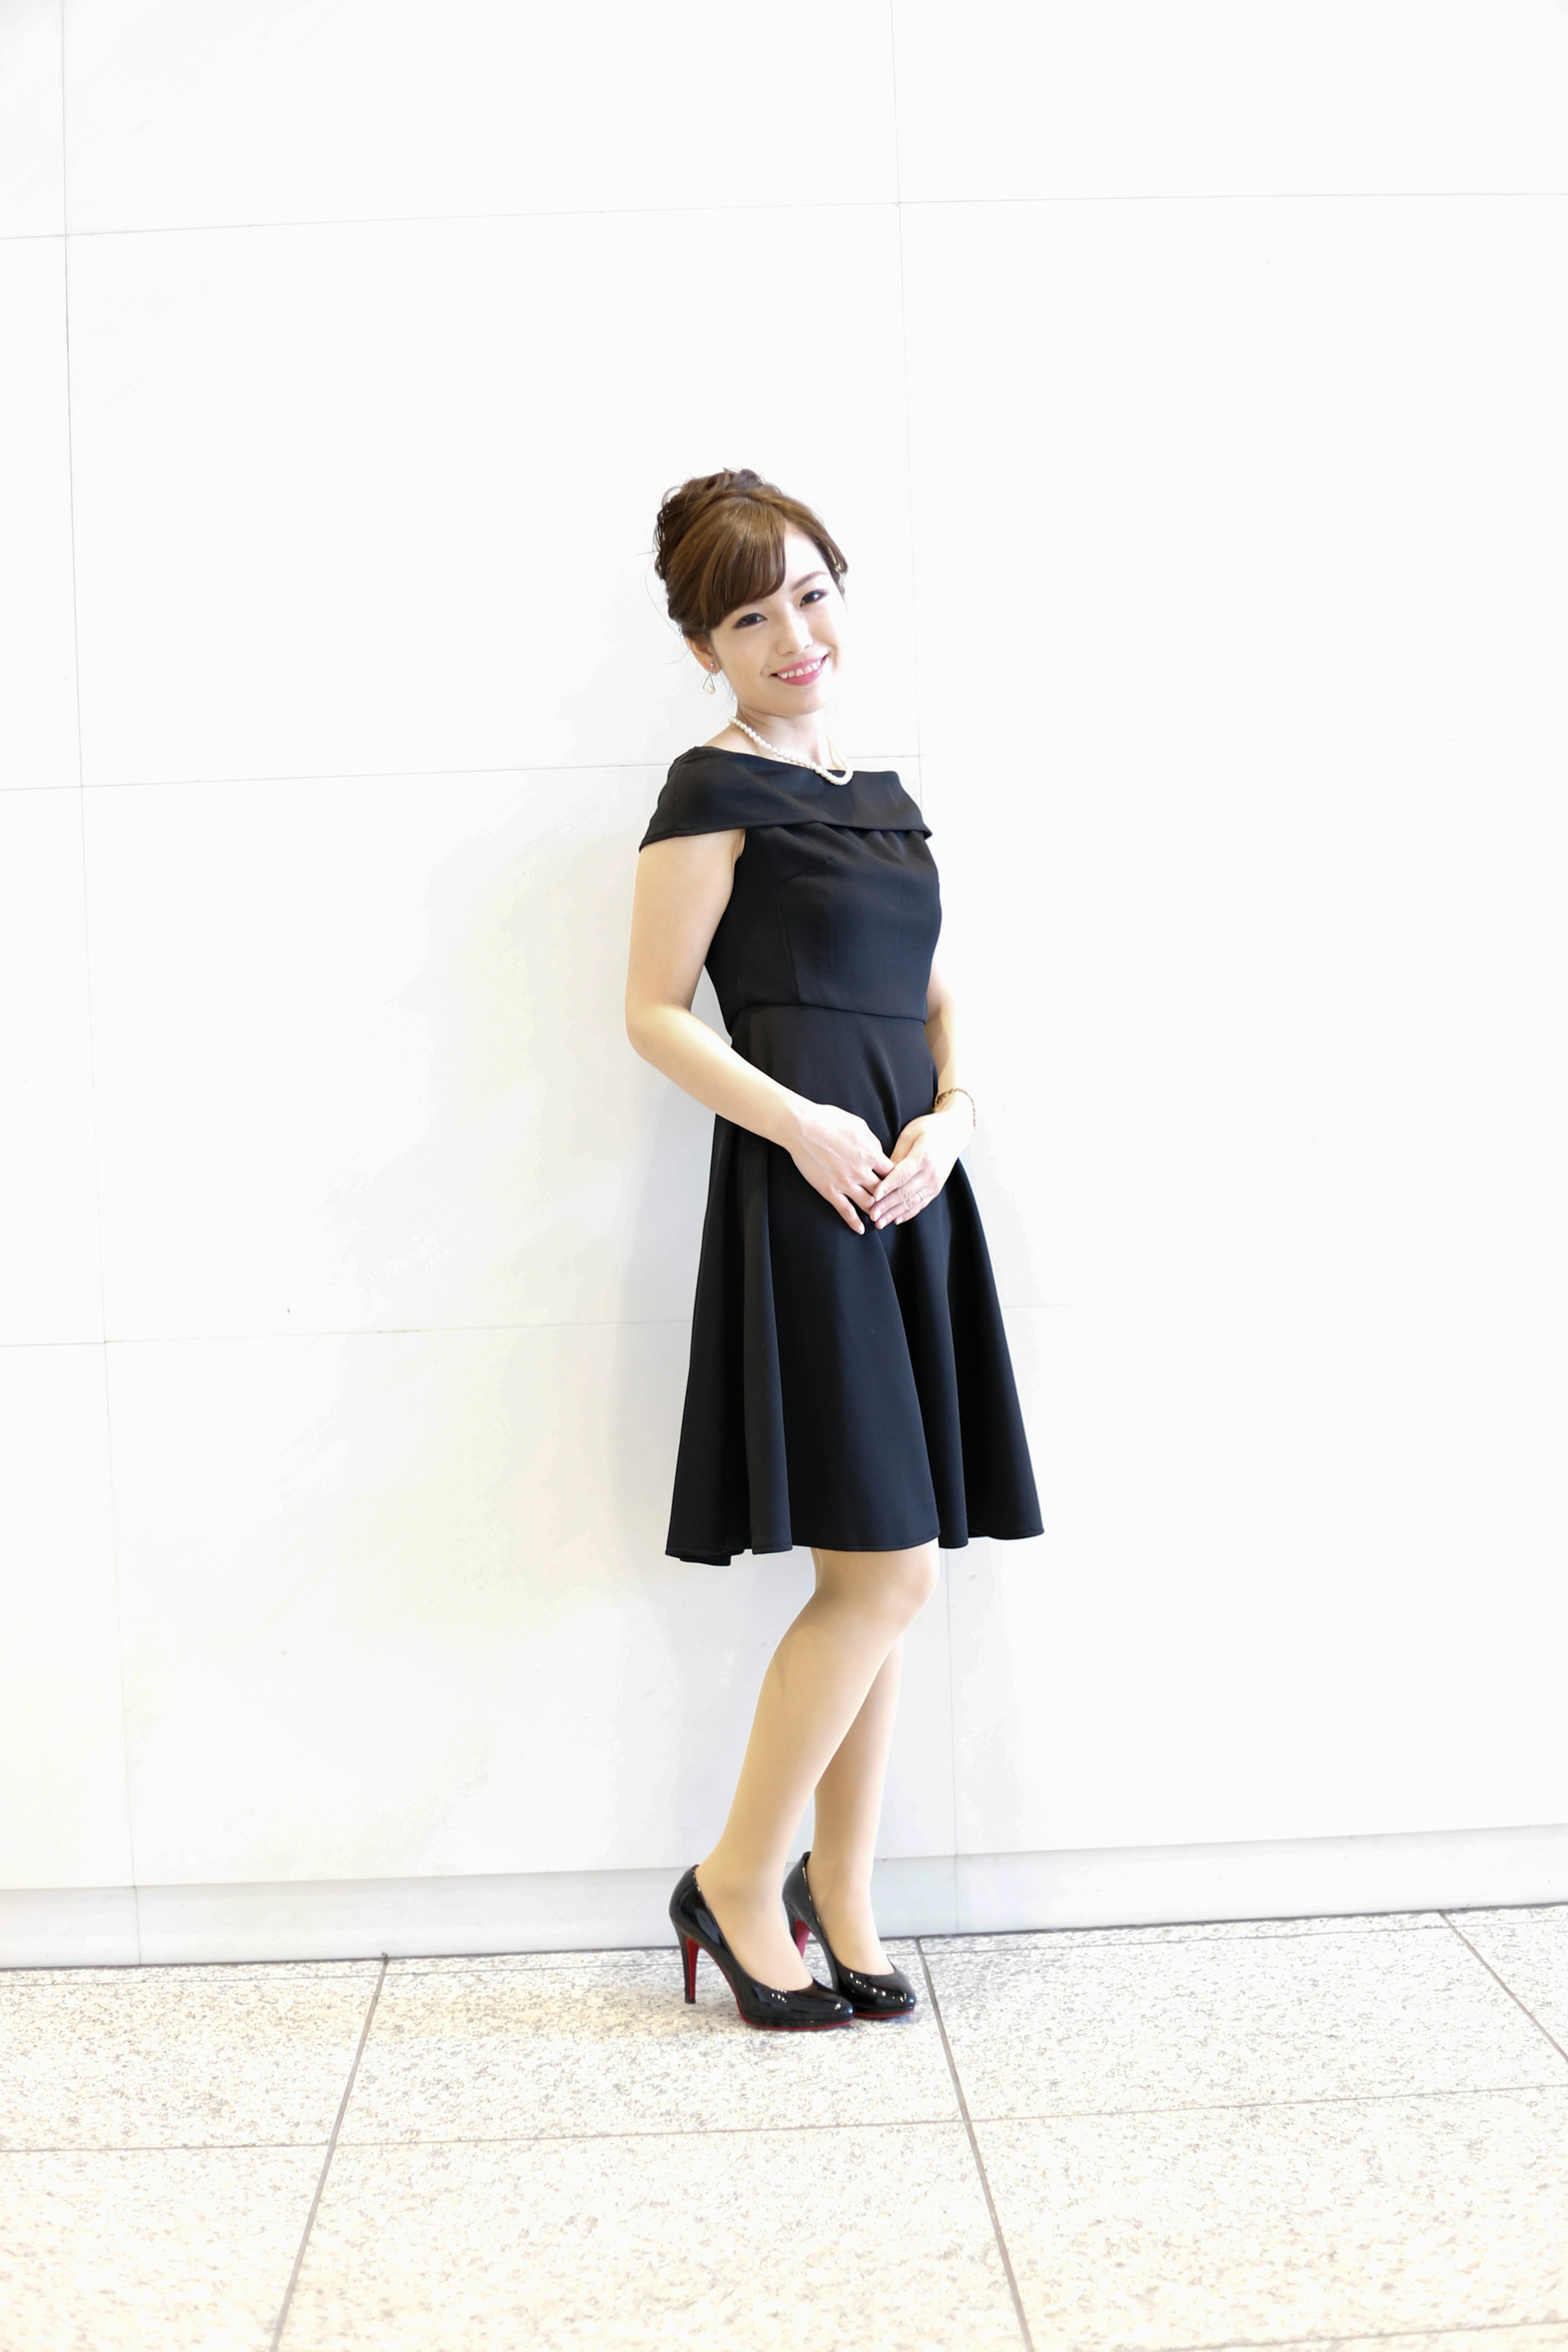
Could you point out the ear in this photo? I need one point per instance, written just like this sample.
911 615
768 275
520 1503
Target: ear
702 653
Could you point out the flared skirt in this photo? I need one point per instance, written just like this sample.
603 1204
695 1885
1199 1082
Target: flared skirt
850 1392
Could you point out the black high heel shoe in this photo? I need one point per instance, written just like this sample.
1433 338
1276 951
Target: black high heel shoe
889 1996
806 2010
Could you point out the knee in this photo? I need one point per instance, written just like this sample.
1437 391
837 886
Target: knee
911 1581
891 1586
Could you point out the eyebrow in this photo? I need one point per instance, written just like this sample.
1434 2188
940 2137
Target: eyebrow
789 587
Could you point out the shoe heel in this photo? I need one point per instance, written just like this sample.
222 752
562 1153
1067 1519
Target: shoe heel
802 1936
688 1954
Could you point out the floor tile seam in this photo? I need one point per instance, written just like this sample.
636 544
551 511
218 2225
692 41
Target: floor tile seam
1555 2090
326 2163
1104 1959
950 2122
223 1999
460 1963
935 1947
89 1979
1068 1947
1056 2117
1339 2342
979 2162
152 2146
22 1977
1517 1998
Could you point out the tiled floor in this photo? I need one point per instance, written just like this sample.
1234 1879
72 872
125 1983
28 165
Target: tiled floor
1299 2133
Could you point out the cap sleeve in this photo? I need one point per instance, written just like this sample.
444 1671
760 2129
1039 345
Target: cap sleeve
697 797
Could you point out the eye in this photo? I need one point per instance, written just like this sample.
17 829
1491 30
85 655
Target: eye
812 595
746 619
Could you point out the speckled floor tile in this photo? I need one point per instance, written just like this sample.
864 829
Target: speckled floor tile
1272 2225
748 2241
611 2046
179 2057
1205 1931
149 2250
1528 1949
1113 2028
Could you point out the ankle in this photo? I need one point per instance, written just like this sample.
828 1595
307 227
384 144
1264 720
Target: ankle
842 1887
723 1880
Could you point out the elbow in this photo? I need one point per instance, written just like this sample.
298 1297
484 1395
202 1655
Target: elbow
638 1027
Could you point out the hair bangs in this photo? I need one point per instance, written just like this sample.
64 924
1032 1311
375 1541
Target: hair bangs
747 562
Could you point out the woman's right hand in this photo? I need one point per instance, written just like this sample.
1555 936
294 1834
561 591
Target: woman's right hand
839 1157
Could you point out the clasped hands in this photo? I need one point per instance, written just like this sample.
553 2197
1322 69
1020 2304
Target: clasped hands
841 1159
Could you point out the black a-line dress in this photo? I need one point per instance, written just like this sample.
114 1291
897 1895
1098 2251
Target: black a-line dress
852 1391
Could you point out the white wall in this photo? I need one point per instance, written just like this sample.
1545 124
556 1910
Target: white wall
1186 384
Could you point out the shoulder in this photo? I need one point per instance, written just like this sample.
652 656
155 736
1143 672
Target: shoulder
705 791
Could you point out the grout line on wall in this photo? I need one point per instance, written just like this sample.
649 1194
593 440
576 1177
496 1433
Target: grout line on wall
852 204
951 1700
1249 197
476 219
904 364
327 2160
1506 1986
419 1330
653 767
974 2151
102 1341
378 1331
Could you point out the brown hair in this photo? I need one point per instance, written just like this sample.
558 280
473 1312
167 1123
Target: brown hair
719 543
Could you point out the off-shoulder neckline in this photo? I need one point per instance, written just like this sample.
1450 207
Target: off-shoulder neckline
792 767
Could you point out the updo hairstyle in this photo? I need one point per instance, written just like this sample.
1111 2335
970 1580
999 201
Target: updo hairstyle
719 543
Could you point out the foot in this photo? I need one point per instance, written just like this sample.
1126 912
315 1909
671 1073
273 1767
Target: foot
755 1929
844 1908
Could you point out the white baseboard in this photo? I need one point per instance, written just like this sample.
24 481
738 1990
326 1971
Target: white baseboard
942 1894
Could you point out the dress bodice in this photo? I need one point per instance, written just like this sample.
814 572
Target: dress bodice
835 901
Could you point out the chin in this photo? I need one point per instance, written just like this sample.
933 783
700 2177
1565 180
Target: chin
816 696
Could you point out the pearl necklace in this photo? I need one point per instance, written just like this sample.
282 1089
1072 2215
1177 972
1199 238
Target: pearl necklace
774 752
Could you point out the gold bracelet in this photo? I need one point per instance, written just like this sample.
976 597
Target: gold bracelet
969 1099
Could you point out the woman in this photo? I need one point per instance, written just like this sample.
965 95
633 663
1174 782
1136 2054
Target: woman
849 1385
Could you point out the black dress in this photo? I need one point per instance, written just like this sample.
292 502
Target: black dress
848 1391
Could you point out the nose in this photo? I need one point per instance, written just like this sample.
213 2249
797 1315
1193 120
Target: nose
796 634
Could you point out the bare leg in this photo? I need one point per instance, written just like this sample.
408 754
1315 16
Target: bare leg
814 1688
848 1808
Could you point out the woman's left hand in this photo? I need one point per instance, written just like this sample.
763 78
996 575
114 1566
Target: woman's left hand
923 1162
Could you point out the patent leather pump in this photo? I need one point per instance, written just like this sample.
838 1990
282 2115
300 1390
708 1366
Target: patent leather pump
885 1996
806 2010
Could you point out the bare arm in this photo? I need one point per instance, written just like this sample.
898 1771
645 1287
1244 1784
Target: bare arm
942 1034
683 887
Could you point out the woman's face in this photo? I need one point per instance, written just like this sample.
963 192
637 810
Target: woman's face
782 655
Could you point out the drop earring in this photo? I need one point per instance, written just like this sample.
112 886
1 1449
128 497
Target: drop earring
710 684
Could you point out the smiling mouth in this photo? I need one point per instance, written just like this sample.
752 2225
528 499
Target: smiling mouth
802 671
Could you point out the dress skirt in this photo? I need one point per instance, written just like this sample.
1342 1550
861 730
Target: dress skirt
850 1392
